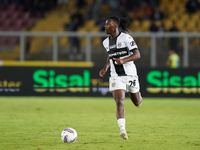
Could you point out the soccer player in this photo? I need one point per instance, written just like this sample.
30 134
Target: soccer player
122 52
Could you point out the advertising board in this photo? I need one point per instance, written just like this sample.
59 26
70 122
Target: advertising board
62 81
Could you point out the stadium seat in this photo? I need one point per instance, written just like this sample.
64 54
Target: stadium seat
181 25
145 25
30 22
14 16
192 26
18 24
3 40
63 41
11 28
2 7
195 17
12 41
25 16
172 8
167 23
19 8
135 25
95 29
6 24
11 8
89 25
96 41
175 16
3 15
184 17
181 8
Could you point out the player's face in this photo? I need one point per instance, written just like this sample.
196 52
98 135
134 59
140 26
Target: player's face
110 26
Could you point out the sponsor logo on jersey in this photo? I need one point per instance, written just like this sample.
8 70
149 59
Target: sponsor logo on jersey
112 46
118 53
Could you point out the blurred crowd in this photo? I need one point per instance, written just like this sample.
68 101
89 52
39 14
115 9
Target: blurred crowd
140 10
137 9
38 8
99 10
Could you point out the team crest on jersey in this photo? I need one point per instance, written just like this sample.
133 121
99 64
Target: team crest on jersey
119 44
113 84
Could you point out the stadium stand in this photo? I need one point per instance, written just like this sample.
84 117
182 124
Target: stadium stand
13 17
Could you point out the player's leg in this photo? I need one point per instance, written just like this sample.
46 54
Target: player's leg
119 96
136 98
133 86
118 89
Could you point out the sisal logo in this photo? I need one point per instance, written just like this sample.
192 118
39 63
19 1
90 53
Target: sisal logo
164 82
10 86
50 81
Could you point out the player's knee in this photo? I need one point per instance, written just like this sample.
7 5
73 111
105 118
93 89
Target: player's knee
119 102
138 103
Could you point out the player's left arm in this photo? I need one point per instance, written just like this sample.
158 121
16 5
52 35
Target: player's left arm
135 56
132 46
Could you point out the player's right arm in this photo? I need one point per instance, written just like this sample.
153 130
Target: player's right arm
105 68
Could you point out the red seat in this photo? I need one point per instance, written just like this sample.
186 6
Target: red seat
13 41
6 24
3 15
18 23
25 16
30 23
3 40
2 6
11 28
11 8
14 16
20 8
3 28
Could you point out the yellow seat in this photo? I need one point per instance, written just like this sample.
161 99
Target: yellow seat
167 23
180 9
181 25
192 26
135 25
175 16
95 29
172 8
194 43
63 41
145 24
195 17
89 24
184 17
96 41
105 9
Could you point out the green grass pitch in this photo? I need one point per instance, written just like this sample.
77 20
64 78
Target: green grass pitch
35 123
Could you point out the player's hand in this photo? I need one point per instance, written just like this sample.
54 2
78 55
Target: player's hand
102 72
118 61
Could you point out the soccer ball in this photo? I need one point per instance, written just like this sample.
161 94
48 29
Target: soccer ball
69 135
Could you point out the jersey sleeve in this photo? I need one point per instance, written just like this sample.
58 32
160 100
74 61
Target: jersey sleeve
106 44
130 43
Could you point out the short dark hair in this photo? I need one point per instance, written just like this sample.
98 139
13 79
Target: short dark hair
121 22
